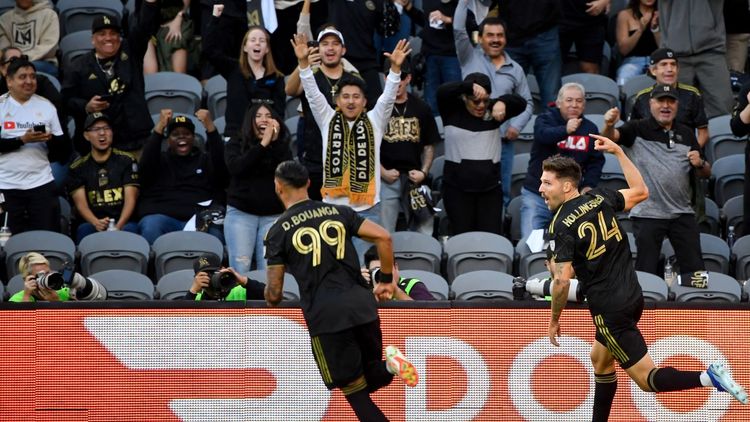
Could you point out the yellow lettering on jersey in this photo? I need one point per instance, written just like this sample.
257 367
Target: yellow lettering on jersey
595 249
305 215
582 209
314 246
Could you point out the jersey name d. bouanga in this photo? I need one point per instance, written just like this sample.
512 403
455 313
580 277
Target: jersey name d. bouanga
313 240
585 231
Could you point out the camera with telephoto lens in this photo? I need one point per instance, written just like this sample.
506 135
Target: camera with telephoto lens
220 283
543 288
54 280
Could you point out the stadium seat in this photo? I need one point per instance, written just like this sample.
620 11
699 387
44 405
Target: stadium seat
221 124
291 287
6 5
291 125
612 176
602 93
179 92
722 142
78 15
715 252
174 285
113 250
728 174
74 45
536 94
2 292
177 250
216 96
512 223
474 251
734 214
15 285
525 138
520 167
631 89
417 251
56 247
483 284
721 287
529 262
741 258
435 283
125 285
712 223
53 80
598 121
633 247
66 215
655 289
441 128
436 173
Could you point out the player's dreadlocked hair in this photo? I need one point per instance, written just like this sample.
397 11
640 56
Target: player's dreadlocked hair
563 167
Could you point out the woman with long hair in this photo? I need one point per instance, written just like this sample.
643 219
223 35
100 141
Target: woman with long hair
252 77
637 37
252 205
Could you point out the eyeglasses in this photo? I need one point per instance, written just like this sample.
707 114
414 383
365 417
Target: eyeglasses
9 60
477 101
99 129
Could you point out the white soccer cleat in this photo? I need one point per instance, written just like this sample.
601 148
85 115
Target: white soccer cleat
723 381
397 364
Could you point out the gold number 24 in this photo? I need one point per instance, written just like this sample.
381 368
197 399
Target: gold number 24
595 249
318 236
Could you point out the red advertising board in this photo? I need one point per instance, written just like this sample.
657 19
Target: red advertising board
256 364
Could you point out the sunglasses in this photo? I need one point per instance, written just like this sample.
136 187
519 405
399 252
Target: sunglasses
23 57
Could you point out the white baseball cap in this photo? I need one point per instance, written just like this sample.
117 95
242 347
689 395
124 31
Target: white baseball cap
330 31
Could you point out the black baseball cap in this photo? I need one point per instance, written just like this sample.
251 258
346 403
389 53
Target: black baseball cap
207 263
664 90
662 54
480 79
95 117
180 121
105 21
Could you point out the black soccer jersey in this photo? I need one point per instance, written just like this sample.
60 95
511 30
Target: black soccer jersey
314 241
104 183
585 231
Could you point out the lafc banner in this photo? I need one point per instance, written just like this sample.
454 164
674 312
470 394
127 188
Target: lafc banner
256 364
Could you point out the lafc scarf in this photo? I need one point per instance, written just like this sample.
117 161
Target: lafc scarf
349 168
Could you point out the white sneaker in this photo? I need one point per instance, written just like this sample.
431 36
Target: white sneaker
723 381
397 364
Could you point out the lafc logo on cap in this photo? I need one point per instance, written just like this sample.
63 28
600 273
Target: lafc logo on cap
203 262
105 19
670 54
180 119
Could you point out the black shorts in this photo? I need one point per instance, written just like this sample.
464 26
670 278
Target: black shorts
589 43
347 355
619 333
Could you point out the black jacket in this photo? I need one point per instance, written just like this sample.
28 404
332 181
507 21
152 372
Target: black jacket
174 185
85 78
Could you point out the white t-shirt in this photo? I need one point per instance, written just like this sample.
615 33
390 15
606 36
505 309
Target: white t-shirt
27 167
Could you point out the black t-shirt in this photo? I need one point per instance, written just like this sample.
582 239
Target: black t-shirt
574 16
410 128
585 232
690 108
104 183
313 240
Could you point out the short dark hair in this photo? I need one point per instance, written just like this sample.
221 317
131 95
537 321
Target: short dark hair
563 167
348 80
18 64
491 20
371 255
292 173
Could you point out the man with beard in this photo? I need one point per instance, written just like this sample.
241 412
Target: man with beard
667 153
328 74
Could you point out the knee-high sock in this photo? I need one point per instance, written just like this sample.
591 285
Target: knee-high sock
671 379
363 406
604 394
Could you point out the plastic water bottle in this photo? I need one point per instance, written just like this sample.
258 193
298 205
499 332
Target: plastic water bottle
112 225
4 235
668 272
730 236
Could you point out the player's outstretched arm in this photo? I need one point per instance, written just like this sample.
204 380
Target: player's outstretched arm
275 287
637 190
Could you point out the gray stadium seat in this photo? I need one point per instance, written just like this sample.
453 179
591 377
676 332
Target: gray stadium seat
56 247
715 252
221 124
474 251
77 15
529 262
174 285
525 138
291 287
512 222
520 168
483 284
712 224
179 92
598 120
177 250
741 258
536 94
612 176
441 128
2 292
15 285
125 285
417 251
631 88
216 95
728 174
66 214
74 45
721 287
53 80
436 172
722 142
113 250
734 214
602 93
655 289
6 5
435 283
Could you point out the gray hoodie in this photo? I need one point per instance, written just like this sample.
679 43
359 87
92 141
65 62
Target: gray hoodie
692 26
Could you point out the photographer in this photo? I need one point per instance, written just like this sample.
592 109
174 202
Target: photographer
406 288
41 283
214 282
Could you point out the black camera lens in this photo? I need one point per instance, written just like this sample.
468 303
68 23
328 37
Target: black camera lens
52 280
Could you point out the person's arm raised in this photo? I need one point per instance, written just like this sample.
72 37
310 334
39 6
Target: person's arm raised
637 190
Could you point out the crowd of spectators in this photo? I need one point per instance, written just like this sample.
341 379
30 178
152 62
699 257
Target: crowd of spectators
367 128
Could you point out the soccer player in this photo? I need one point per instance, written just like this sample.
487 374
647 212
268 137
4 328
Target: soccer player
586 240
314 240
